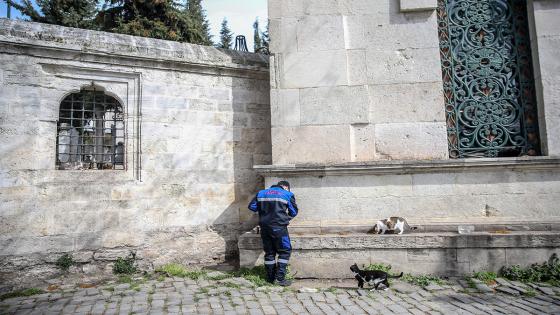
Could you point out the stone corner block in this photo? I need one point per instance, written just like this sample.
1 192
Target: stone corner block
418 5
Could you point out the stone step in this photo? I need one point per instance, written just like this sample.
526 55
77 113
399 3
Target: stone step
438 253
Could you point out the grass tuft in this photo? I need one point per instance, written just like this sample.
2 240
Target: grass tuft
530 293
423 280
470 282
21 293
177 270
256 275
485 276
125 279
231 285
331 290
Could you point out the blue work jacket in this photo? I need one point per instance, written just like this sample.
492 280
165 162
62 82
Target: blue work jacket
276 206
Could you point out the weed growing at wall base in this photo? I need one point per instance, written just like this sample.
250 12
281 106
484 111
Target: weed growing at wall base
176 270
64 262
545 272
379 266
485 276
257 275
423 280
125 265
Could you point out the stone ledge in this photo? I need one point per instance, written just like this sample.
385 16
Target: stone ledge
23 35
250 241
412 167
418 5
429 226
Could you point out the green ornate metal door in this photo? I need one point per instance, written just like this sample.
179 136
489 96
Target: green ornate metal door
488 80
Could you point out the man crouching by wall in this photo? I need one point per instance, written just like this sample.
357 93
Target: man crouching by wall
276 206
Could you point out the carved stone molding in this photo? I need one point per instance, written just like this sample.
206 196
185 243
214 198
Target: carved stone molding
412 167
418 5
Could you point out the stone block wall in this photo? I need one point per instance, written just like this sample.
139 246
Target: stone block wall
468 192
355 81
197 120
366 75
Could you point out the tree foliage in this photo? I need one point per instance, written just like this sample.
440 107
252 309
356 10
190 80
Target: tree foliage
71 13
260 39
163 19
226 36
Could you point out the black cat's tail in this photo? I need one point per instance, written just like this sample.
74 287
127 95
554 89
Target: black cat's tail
396 276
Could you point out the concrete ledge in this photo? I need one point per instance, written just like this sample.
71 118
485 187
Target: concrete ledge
445 254
418 5
412 167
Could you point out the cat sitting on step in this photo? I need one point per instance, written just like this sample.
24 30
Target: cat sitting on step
391 225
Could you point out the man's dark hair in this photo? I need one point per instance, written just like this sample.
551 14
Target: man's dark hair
284 183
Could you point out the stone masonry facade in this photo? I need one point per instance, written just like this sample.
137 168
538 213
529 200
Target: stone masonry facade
351 112
359 121
361 98
197 119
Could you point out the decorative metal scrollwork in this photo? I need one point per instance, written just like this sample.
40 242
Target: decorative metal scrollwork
488 82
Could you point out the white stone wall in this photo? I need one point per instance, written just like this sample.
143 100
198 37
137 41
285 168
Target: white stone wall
545 41
355 80
476 195
197 119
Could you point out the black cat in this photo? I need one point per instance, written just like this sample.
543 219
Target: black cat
376 276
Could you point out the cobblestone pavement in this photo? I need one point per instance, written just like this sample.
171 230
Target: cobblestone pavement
239 296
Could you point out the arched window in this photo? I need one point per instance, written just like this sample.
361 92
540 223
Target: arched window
91 132
488 82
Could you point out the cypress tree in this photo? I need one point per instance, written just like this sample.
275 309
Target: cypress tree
266 39
226 36
199 27
257 42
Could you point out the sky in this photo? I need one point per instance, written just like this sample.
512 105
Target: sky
240 14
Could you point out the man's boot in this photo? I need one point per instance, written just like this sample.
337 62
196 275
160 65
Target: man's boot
281 271
270 272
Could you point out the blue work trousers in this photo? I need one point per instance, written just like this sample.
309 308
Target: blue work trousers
276 241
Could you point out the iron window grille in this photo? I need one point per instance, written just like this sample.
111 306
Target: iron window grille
488 83
90 132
